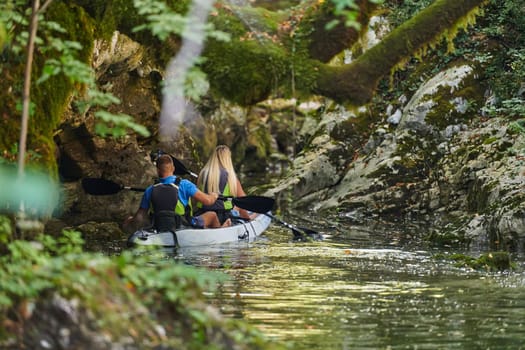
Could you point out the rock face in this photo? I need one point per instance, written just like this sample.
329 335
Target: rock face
124 163
420 113
123 69
483 178
436 162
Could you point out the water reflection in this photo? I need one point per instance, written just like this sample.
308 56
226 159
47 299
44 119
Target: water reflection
364 290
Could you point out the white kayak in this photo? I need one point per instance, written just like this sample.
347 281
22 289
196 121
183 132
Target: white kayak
190 237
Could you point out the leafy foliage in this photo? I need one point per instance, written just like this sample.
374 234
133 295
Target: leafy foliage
5 230
399 12
14 19
497 49
127 284
511 108
349 10
162 20
518 126
3 35
62 59
117 124
505 67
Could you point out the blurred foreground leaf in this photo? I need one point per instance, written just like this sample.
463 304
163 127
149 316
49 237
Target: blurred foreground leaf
37 191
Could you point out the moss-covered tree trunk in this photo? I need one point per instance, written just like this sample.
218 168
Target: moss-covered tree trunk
357 81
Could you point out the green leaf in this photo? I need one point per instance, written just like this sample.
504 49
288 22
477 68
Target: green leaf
116 124
332 24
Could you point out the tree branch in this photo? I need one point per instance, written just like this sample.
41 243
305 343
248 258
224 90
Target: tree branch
357 81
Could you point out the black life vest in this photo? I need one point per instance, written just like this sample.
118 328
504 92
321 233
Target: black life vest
166 207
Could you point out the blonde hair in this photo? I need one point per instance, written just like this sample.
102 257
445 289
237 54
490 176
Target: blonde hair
210 175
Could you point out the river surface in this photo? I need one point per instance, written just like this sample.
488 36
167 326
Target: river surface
375 287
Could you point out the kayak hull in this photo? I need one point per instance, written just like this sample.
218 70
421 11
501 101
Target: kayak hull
191 237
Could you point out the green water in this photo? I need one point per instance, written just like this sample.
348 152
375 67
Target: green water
365 288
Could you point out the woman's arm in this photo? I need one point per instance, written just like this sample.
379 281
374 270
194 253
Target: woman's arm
240 190
204 198
242 212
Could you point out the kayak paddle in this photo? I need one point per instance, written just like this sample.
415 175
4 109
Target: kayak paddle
100 187
256 204
263 205
180 169
298 232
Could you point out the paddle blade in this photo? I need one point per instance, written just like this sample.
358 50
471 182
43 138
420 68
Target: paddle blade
256 204
306 234
299 233
100 187
180 169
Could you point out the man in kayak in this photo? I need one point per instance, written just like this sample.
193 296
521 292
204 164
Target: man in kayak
168 202
218 175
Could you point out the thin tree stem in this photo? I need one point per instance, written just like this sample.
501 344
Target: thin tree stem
27 88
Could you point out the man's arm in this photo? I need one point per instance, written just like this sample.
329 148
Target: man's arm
134 222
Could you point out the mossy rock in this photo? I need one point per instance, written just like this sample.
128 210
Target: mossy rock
492 261
244 72
449 235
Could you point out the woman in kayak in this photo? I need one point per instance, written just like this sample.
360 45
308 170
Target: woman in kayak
218 176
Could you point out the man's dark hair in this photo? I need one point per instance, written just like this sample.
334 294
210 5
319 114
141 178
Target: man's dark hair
164 159
164 162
